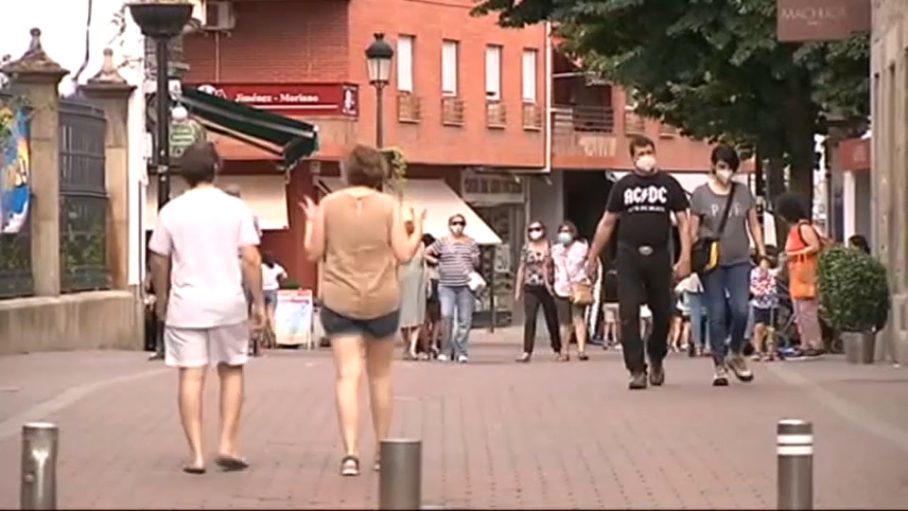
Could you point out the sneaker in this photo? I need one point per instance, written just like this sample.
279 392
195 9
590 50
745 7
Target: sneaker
738 365
756 357
638 381
462 359
523 358
442 357
657 375
720 376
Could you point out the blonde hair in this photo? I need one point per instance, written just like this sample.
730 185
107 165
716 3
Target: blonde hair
365 166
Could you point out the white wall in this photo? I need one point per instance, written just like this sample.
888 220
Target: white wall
63 28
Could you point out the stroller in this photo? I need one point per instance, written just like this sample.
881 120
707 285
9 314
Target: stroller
785 335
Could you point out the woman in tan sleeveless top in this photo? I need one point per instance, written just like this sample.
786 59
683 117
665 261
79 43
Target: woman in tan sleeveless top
359 236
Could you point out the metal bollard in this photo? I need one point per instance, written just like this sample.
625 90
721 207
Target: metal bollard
400 477
39 466
795 471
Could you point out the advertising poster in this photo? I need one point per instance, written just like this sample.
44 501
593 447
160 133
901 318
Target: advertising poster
15 168
293 317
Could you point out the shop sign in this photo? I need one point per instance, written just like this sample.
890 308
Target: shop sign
292 99
821 20
852 154
483 188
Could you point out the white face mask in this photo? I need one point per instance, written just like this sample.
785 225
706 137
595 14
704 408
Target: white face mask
457 229
536 235
723 175
646 163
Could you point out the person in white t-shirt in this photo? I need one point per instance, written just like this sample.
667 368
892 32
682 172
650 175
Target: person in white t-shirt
272 275
198 282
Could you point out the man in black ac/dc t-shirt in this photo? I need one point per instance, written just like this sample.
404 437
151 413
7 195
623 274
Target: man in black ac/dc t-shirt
644 201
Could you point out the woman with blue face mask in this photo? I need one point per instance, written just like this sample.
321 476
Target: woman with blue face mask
569 260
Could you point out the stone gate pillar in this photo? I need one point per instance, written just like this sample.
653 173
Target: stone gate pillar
110 91
36 77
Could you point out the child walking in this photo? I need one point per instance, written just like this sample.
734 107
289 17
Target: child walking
765 300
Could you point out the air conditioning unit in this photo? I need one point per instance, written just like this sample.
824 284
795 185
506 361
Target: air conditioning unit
219 16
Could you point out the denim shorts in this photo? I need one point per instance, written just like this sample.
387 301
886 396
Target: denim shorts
382 327
270 297
762 316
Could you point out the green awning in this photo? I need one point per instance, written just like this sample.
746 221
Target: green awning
287 138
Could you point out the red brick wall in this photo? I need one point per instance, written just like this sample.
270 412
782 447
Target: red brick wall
274 42
431 21
325 40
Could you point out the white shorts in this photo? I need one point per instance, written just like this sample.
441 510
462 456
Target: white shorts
611 312
200 347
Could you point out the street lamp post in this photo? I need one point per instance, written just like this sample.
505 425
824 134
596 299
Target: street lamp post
161 22
378 62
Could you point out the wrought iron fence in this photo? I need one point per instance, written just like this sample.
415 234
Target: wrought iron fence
15 247
83 198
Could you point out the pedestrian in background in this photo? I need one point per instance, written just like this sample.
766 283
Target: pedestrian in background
572 287
432 330
534 286
457 256
724 210
802 248
272 276
358 234
764 303
413 284
198 280
859 242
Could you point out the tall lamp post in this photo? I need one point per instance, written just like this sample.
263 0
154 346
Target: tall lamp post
161 22
378 62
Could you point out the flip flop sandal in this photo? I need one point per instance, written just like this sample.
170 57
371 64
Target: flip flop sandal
231 463
349 466
564 357
194 470
583 356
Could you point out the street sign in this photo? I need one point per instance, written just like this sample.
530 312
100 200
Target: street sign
821 20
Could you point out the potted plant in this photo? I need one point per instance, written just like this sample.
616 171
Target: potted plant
854 297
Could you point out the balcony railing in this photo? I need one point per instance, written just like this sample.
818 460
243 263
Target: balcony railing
496 115
408 107
336 131
452 111
667 131
532 117
633 123
583 131
583 119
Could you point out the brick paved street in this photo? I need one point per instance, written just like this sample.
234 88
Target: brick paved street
495 434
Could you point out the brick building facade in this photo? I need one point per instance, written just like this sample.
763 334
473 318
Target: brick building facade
466 106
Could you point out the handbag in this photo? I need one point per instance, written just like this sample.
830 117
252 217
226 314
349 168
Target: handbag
704 254
581 293
476 282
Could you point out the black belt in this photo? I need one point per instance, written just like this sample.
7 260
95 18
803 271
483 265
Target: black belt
645 250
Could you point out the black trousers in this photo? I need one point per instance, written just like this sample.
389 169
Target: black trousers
535 297
644 279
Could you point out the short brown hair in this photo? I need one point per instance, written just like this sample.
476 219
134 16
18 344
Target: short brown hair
199 163
640 141
365 166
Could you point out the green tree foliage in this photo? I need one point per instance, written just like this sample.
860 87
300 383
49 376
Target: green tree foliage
712 68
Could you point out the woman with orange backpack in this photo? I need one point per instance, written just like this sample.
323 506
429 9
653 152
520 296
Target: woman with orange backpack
802 248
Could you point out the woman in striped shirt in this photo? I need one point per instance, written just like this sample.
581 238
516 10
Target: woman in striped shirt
458 256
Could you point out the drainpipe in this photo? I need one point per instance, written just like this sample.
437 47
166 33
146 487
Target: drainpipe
547 69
